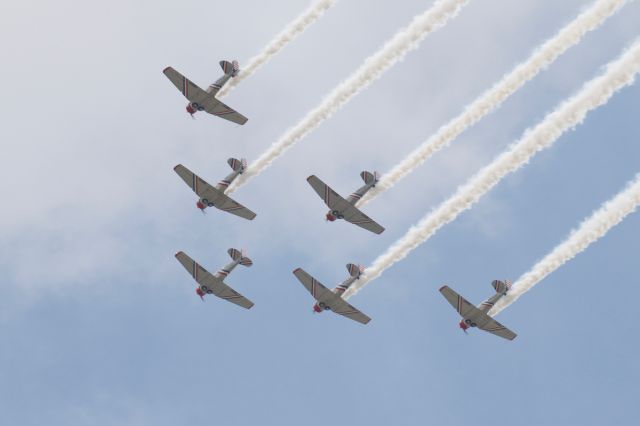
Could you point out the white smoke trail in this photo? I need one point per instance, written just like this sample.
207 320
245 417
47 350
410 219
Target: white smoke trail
619 73
591 230
293 30
373 67
540 59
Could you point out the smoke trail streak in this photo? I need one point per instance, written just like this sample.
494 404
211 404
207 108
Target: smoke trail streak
372 68
618 74
290 33
591 230
540 59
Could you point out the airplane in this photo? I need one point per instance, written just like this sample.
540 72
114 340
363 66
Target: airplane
214 284
331 300
477 316
214 196
346 209
201 100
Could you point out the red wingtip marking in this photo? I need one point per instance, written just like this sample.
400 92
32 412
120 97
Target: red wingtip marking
296 270
176 255
443 287
165 70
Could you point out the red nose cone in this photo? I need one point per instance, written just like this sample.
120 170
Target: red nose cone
190 109
463 326
330 217
200 205
316 308
200 293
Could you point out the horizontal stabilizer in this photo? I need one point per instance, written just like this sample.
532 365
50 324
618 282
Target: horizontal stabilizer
355 270
501 287
230 68
237 165
238 255
369 178
234 253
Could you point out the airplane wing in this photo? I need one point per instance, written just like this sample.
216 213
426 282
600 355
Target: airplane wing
341 307
355 216
228 204
212 194
482 320
196 183
335 202
328 195
459 303
207 101
190 90
323 295
494 327
213 284
223 111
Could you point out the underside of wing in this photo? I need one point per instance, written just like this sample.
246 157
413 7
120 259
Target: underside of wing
459 303
212 284
494 327
190 91
201 275
317 290
330 197
227 204
225 292
341 307
224 111
195 182
355 216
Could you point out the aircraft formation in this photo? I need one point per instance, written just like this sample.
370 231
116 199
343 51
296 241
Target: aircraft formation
339 208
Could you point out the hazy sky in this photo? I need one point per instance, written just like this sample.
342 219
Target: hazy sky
100 325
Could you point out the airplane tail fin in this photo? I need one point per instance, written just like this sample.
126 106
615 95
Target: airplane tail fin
237 165
501 287
355 270
230 68
239 256
369 178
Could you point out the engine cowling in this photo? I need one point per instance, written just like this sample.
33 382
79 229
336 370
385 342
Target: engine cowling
330 217
193 107
200 293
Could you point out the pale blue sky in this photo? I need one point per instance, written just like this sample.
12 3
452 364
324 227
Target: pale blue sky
100 325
